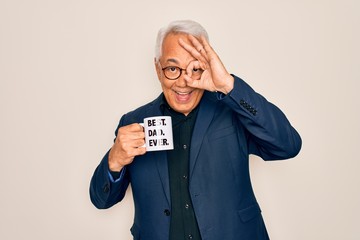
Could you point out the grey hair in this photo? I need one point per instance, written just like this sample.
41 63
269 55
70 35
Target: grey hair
182 26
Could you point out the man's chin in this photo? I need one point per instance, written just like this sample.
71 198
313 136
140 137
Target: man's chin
185 103
183 108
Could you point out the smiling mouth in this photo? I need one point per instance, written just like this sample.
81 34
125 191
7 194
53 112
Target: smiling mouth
183 93
183 97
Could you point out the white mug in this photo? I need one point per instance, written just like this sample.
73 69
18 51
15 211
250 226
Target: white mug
158 133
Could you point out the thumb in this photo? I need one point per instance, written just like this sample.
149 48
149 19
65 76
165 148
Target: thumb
192 82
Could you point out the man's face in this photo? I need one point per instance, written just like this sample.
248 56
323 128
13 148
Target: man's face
179 96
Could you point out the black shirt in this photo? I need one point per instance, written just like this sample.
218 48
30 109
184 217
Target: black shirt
183 224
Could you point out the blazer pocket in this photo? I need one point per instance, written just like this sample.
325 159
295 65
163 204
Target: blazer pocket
249 213
220 133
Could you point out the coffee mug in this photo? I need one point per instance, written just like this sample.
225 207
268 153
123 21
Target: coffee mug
158 133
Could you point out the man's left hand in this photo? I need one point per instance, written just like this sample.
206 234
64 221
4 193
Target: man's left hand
214 77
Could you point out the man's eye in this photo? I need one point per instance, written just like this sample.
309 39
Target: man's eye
172 69
195 69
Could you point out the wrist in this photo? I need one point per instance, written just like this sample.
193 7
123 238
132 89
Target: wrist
229 85
114 165
115 168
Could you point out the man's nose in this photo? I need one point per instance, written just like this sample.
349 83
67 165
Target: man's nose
180 82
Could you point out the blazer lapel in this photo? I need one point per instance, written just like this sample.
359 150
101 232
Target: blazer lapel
160 156
205 115
162 166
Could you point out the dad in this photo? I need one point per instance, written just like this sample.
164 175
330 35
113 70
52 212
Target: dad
202 188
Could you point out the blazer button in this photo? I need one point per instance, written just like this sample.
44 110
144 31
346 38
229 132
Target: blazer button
167 212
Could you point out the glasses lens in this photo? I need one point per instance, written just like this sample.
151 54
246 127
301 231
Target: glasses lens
172 72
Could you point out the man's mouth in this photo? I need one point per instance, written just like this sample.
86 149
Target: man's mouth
183 97
183 93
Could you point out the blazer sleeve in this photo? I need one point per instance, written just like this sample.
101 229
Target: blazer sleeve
104 193
270 134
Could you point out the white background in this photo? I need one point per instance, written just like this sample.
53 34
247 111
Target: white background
69 69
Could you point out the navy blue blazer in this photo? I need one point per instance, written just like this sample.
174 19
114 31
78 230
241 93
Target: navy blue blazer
227 129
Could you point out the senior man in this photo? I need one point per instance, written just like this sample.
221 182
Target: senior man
201 189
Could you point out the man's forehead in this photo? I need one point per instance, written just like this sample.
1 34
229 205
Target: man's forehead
179 62
173 52
172 60
171 42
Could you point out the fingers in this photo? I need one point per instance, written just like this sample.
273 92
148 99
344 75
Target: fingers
131 132
199 55
121 156
135 151
128 144
206 45
198 46
193 65
192 82
203 47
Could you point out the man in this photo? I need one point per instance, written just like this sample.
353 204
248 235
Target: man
201 189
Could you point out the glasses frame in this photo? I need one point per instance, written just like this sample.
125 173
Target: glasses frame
181 71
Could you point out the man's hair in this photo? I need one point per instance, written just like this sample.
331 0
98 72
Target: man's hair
182 26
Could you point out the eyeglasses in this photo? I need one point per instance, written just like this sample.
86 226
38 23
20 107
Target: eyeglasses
173 72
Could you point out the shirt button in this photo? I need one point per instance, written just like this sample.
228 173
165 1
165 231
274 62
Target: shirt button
187 206
184 146
184 177
190 236
167 212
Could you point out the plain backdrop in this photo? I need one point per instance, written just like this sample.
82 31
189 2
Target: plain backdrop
69 69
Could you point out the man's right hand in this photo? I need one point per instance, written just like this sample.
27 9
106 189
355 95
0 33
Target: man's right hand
128 144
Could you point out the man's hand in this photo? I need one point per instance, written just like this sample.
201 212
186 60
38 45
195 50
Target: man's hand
214 76
128 144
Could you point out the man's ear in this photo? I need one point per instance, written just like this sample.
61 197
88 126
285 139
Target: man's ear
158 68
